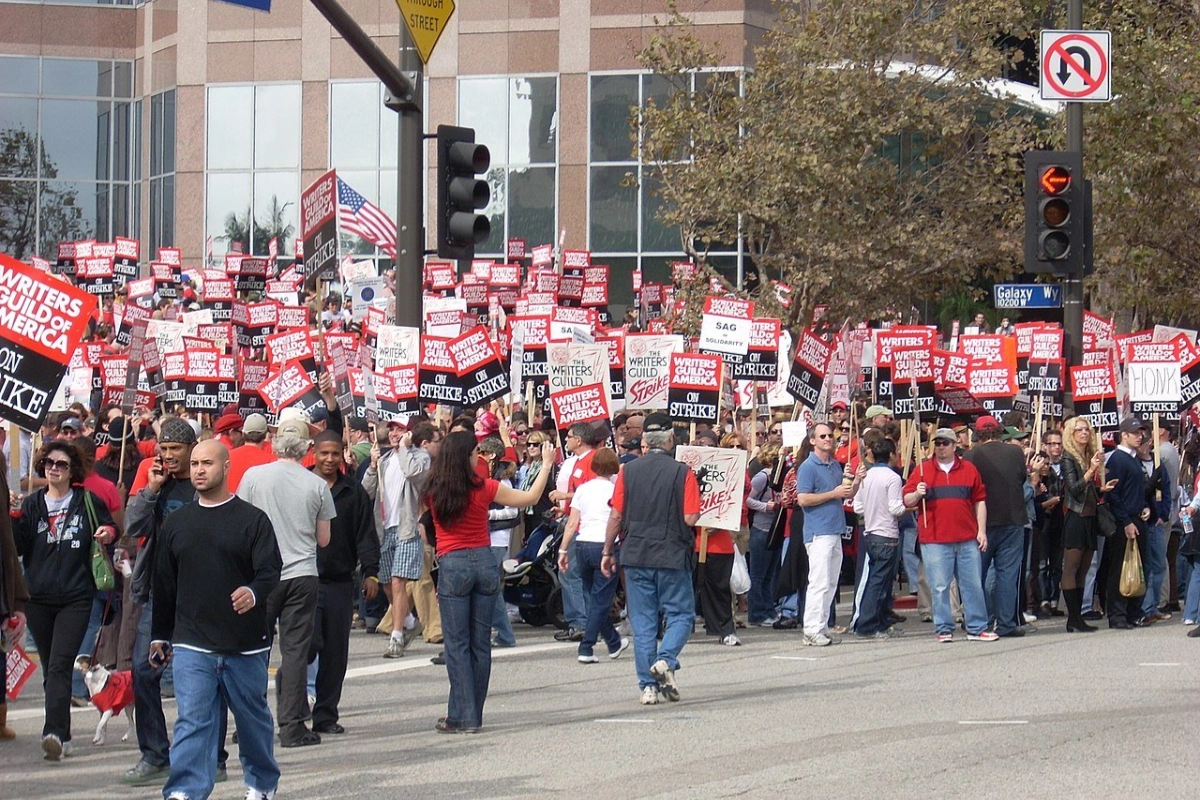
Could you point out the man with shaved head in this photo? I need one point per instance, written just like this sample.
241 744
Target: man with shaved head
217 562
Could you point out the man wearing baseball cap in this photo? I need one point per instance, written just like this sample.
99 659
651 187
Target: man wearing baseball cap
877 415
254 451
229 430
300 506
1128 502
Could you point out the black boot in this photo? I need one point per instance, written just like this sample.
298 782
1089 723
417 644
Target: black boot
1075 622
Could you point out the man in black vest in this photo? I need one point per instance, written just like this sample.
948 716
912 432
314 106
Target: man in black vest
1128 503
655 503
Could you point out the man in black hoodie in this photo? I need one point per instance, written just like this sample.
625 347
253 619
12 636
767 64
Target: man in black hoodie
352 541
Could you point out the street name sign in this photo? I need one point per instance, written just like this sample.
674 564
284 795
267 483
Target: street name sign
1027 295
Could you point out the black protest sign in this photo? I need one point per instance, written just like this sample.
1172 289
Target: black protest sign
761 362
694 387
438 378
318 227
808 369
480 371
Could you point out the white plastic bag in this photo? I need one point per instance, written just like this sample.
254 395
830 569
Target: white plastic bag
739 580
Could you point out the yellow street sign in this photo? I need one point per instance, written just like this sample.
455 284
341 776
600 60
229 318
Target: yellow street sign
426 19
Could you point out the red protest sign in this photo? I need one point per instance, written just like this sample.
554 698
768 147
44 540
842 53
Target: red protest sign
694 387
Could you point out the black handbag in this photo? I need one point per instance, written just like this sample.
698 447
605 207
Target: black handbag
775 535
1106 520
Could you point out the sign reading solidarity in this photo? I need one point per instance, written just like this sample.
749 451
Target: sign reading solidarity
41 320
1075 66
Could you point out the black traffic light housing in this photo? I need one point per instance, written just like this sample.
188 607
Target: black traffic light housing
1057 213
461 193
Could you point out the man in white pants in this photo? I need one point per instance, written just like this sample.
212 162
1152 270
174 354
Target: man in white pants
821 486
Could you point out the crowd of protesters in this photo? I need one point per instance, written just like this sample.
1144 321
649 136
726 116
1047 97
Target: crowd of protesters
287 532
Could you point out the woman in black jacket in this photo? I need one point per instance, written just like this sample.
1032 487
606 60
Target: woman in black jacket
54 534
1083 482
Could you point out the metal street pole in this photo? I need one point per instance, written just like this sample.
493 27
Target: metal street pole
410 187
1073 283
405 85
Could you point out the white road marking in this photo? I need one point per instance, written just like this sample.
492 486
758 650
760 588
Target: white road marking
993 722
795 658
632 721
1160 664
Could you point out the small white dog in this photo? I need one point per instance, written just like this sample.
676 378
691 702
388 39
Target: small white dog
111 693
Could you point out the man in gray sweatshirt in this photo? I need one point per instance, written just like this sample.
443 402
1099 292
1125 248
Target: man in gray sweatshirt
880 501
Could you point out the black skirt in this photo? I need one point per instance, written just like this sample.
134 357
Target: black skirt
1080 533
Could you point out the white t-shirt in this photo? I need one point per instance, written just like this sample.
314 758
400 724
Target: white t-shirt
592 502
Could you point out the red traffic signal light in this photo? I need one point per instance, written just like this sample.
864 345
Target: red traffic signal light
1056 180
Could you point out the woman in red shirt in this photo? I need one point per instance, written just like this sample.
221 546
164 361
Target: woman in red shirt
468 581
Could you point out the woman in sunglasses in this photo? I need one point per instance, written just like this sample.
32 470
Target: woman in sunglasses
54 535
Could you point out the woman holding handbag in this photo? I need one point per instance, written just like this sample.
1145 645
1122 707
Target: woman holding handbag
762 562
1083 483
62 534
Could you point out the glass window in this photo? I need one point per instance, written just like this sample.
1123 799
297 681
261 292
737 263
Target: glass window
354 125
122 151
389 135
532 120
227 209
483 105
76 77
620 281
18 218
75 148
277 127
18 137
531 202
230 127
613 98
123 79
276 202
656 237
19 74
495 212
162 133
613 211
67 213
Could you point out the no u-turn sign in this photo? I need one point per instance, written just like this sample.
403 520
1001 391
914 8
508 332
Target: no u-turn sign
1075 66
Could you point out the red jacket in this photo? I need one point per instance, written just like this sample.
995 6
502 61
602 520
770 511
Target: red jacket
948 514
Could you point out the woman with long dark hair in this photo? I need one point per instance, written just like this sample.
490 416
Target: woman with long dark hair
467 576
1083 482
54 535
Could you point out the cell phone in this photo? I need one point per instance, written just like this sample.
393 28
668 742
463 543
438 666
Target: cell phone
159 659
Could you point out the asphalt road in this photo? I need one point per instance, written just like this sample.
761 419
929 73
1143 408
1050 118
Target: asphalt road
1054 715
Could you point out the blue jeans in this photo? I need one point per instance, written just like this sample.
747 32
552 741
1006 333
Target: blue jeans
468 583
88 647
763 566
600 591
880 559
1000 571
575 609
500 621
204 679
1156 567
649 589
908 544
1191 609
151 725
790 606
944 563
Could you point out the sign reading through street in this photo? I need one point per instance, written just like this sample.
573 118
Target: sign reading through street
1075 66
426 19
1027 295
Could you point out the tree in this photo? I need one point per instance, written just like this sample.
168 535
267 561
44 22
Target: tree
62 219
1142 151
866 160
238 228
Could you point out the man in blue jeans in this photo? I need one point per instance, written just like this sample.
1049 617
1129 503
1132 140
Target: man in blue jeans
218 562
1002 467
655 503
582 440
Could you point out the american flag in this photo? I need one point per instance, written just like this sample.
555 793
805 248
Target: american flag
362 218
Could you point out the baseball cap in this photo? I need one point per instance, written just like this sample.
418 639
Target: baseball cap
838 404
657 421
255 423
633 443
987 423
962 428
176 430
876 410
120 429
318 415
358 424
72 423
290 413
1131 424
293 427
708 436
1011 433
944 433
228 422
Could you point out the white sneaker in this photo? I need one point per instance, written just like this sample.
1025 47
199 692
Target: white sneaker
255 794
650 696
1030 618
620 648
666 680
820 640
588 660
68 749
731 641
396 647
52 747
1189 622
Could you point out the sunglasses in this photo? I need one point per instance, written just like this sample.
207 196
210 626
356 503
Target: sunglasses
845 429
942 443
522 433
534 444
824 436
54 463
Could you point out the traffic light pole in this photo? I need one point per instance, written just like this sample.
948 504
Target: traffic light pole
1073 283
404 84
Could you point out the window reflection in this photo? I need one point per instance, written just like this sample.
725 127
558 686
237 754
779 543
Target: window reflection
276 200
227 210
230 134
18 137
483 105
531 202
18 218
67 213
76 77
613 98
76 147
354 125
532 120
277 127
613 211
19 74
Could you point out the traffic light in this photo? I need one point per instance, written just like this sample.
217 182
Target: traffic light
461 193
1057 215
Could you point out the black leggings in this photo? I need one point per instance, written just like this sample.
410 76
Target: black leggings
58 631
1075 567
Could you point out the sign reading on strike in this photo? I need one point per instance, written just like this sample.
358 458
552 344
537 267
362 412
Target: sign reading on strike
41 321
318 225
